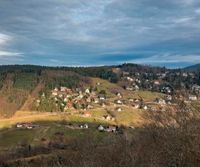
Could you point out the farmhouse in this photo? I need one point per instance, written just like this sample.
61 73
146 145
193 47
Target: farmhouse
196 89
156 82
102 97
119 102
192 97
107 117
130 79
96 100
145 107
111 129
27 125
129 88
160 101
87 91
119 95
54 93
119 109
84 126
100 128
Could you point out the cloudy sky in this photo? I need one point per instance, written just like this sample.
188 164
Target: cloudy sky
99 32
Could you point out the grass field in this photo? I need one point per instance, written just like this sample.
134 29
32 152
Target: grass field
50 123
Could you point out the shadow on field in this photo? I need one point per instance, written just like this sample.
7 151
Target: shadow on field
170 139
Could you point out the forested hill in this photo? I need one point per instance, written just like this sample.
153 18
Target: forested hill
18 82
195 68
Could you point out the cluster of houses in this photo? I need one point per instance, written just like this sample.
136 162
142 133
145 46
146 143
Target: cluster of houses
111 128
84 100
159 83
66 99
26 125
135 84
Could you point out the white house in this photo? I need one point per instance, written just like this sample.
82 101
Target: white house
119 109
119 102
100 128
87 91
192 97
145 107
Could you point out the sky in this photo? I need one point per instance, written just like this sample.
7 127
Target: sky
100 32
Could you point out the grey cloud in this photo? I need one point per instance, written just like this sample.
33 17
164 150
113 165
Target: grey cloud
65 30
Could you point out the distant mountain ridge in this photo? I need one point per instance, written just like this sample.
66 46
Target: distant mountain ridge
195 67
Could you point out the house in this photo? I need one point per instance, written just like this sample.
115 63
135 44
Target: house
130 100
118 102
100 128
66 108
160 101
27 125
56 89
43 94
136 106
137 100
166 89
90 107
196 89
169 97
138 80
96 101
184 74
119 109
54 93
87 91
65 99
19 125
119 95
137 87
107 117
156 82
125 73
103 105
80 96
192 97
88 100
87 114
56 99
145 107
63 89
129 88
98 83
84 126
60 95
111 129
130 79
102 97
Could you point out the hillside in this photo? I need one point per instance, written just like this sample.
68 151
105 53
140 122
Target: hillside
195 67
21 85
65 116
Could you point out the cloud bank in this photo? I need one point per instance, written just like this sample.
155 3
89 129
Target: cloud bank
85 32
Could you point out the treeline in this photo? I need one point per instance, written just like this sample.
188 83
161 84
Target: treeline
104 72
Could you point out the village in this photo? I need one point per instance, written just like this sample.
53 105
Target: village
84 101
